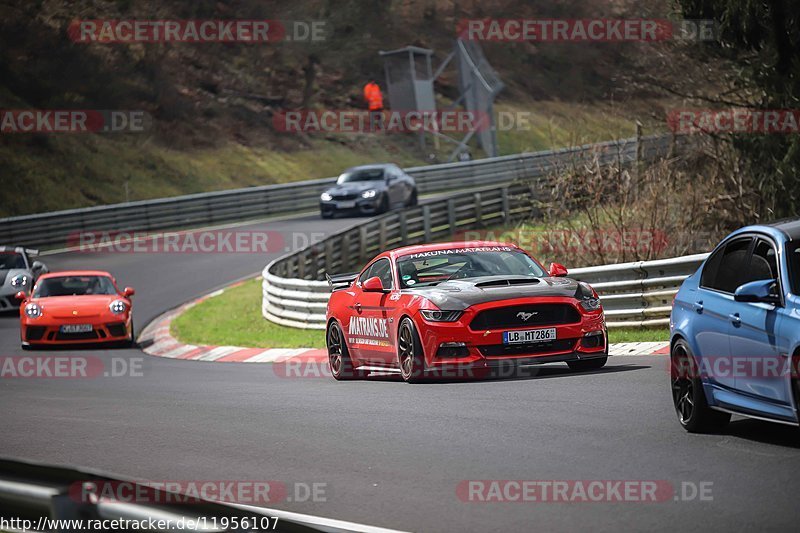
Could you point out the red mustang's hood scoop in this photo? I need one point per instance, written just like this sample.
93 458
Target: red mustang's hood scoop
505 282
460 294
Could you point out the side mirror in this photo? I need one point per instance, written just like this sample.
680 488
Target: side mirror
39 267
21 296
373 285
127 292
757 291
557 270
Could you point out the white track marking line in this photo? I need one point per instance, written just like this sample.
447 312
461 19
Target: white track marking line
636 348
216 353
271 355
180 350
330 525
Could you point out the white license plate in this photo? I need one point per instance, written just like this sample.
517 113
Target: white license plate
76 328
529 335
346 205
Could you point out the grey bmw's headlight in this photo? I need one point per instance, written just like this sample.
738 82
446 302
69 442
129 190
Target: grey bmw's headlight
20 280
440 316
325 197
369 194
118 307
33 310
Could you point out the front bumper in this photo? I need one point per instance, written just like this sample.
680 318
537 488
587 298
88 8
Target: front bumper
363 206
48 332
586 338
8 300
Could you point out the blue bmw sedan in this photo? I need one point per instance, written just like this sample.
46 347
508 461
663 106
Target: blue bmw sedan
735 331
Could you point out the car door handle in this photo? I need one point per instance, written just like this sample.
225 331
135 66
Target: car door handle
358 308
737 321
698 306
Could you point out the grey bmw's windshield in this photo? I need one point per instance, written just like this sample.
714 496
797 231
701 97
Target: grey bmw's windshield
9 260
364 174
430 268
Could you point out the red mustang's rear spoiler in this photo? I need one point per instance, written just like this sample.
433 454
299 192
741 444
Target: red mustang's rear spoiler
341 281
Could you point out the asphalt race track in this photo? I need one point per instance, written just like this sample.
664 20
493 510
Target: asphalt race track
392 454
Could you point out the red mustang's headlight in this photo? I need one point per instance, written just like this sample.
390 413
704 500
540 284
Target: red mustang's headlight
588 297
440 316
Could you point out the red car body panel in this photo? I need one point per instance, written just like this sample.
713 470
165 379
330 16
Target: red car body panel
90 309
370 323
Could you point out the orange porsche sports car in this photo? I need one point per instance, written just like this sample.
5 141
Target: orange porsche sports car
81 306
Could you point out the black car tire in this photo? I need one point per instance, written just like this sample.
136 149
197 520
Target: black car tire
688 396
339 361
413 200
410 356
384 205
328 214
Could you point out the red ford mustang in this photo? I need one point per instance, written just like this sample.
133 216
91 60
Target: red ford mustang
432 309
76 307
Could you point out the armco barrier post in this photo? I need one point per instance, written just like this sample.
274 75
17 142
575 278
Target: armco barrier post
426 220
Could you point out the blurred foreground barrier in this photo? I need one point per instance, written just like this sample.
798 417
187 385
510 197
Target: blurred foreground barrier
51 498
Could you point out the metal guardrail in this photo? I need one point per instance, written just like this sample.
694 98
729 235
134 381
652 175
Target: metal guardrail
293 294
45 494
48 230
639 293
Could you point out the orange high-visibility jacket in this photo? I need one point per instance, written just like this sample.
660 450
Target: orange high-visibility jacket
373 96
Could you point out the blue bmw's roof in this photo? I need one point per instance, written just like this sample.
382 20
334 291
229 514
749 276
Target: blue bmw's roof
789 226
781 230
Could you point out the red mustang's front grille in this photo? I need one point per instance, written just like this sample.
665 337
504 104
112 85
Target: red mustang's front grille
504 350
519 316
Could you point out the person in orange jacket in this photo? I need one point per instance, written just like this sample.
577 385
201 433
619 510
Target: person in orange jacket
374 98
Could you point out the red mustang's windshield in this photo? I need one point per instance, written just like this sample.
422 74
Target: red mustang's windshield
429 268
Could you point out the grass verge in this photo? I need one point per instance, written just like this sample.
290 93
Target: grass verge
616 335
233 318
